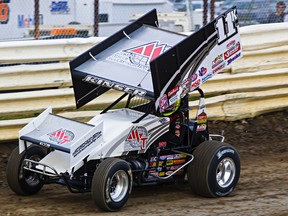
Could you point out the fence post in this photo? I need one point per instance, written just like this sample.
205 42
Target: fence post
212 9
36 19
205 7
96 17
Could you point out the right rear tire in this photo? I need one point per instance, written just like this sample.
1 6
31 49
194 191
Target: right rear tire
215 170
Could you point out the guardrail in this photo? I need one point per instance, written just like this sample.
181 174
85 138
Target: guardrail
256 84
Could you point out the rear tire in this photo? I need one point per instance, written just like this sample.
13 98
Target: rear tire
21 181
215 170
112 184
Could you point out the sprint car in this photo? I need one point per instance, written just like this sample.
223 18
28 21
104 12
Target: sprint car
150 138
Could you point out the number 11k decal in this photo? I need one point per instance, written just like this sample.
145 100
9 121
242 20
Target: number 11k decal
226 26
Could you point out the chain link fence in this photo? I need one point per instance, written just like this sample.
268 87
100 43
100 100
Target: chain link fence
52 19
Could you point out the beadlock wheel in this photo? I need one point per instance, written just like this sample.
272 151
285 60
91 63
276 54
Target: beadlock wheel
119 185
112 184
225 172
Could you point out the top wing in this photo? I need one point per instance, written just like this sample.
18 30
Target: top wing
156 64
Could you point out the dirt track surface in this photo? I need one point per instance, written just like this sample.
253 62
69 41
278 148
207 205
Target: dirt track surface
262 189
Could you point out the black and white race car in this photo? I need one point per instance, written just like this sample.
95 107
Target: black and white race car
151 139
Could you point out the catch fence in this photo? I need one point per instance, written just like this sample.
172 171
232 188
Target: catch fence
54 19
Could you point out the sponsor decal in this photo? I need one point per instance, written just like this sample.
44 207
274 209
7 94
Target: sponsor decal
183 156
44 144
170 157
219 68
177 133
169 172
109 84
229 61
179 161
230 44
25 21
139 56
169 162
4 11
202 118
161 174
218 60
195 84
137 139
59 7
186 82
163 103
150 50
87 143
162 144
154 164
234 49
185 87
153 172
153 159
194 77
220 194
174 167
201 127
178 156
163 157
220 153
177 126
202 71
173 91
226 26
61 136
173 99
206 78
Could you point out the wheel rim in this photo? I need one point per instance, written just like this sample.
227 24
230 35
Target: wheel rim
225 172
119 185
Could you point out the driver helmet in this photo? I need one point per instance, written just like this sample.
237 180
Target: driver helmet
172 108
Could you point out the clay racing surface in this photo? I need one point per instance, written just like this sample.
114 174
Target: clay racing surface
262 189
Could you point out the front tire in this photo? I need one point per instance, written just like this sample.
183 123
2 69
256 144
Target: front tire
21 181
112 184
215 170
